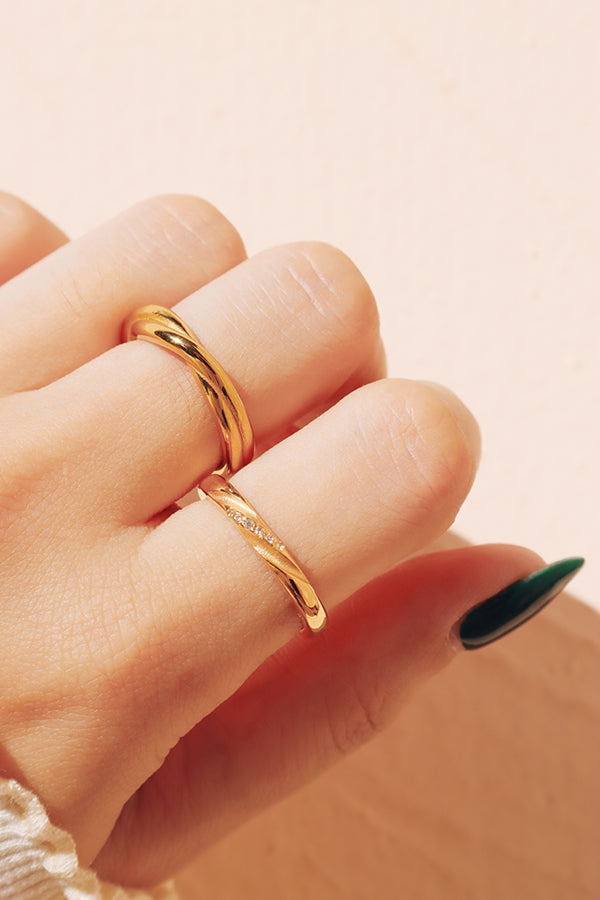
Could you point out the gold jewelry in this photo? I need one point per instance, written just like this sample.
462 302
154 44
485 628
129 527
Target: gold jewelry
164 327
267 544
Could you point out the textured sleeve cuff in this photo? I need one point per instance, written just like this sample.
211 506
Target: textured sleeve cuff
39 861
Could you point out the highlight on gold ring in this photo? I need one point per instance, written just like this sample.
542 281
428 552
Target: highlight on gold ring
166 329
269 546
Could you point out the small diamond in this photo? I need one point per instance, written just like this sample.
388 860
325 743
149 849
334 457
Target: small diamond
238 517
249 524
230 512
259 532
269 539
280 547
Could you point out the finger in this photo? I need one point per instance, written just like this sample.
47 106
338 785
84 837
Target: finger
170 620
70 307
25 236
309 705
351 495
294 327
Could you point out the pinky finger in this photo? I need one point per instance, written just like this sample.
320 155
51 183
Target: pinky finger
310 704
26 236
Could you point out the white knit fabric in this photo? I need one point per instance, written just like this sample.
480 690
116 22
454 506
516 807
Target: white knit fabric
39 862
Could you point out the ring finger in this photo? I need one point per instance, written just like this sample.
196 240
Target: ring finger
366 485
164 624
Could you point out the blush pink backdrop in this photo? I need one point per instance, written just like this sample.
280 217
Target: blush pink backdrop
450 148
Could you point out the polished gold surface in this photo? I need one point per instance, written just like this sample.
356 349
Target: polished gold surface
163 327
268 545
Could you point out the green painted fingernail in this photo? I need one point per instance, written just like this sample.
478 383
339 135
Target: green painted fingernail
516 603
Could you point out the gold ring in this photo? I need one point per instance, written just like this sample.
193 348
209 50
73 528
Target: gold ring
267 544
164 327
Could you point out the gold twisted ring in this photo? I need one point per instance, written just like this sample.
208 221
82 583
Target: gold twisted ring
164 327
267 544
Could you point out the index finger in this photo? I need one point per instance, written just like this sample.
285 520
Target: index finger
26 236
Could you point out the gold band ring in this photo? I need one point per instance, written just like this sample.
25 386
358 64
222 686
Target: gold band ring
164 327
267 544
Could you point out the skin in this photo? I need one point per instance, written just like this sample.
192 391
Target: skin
156 687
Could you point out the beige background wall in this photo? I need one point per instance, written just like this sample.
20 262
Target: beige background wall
451 148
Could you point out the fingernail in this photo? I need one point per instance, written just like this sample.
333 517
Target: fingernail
516 603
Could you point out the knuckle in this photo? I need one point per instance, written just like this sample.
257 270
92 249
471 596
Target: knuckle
183 219
438 425
22 496
331 283
366 713
17 464
71 294
32 464
413 433
15 497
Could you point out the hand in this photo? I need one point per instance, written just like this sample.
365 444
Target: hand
155 688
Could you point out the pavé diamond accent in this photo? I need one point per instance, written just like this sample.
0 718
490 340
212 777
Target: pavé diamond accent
239 519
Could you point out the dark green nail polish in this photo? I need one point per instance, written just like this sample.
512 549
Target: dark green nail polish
515 604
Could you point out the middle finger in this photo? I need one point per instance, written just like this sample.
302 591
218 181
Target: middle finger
294 327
